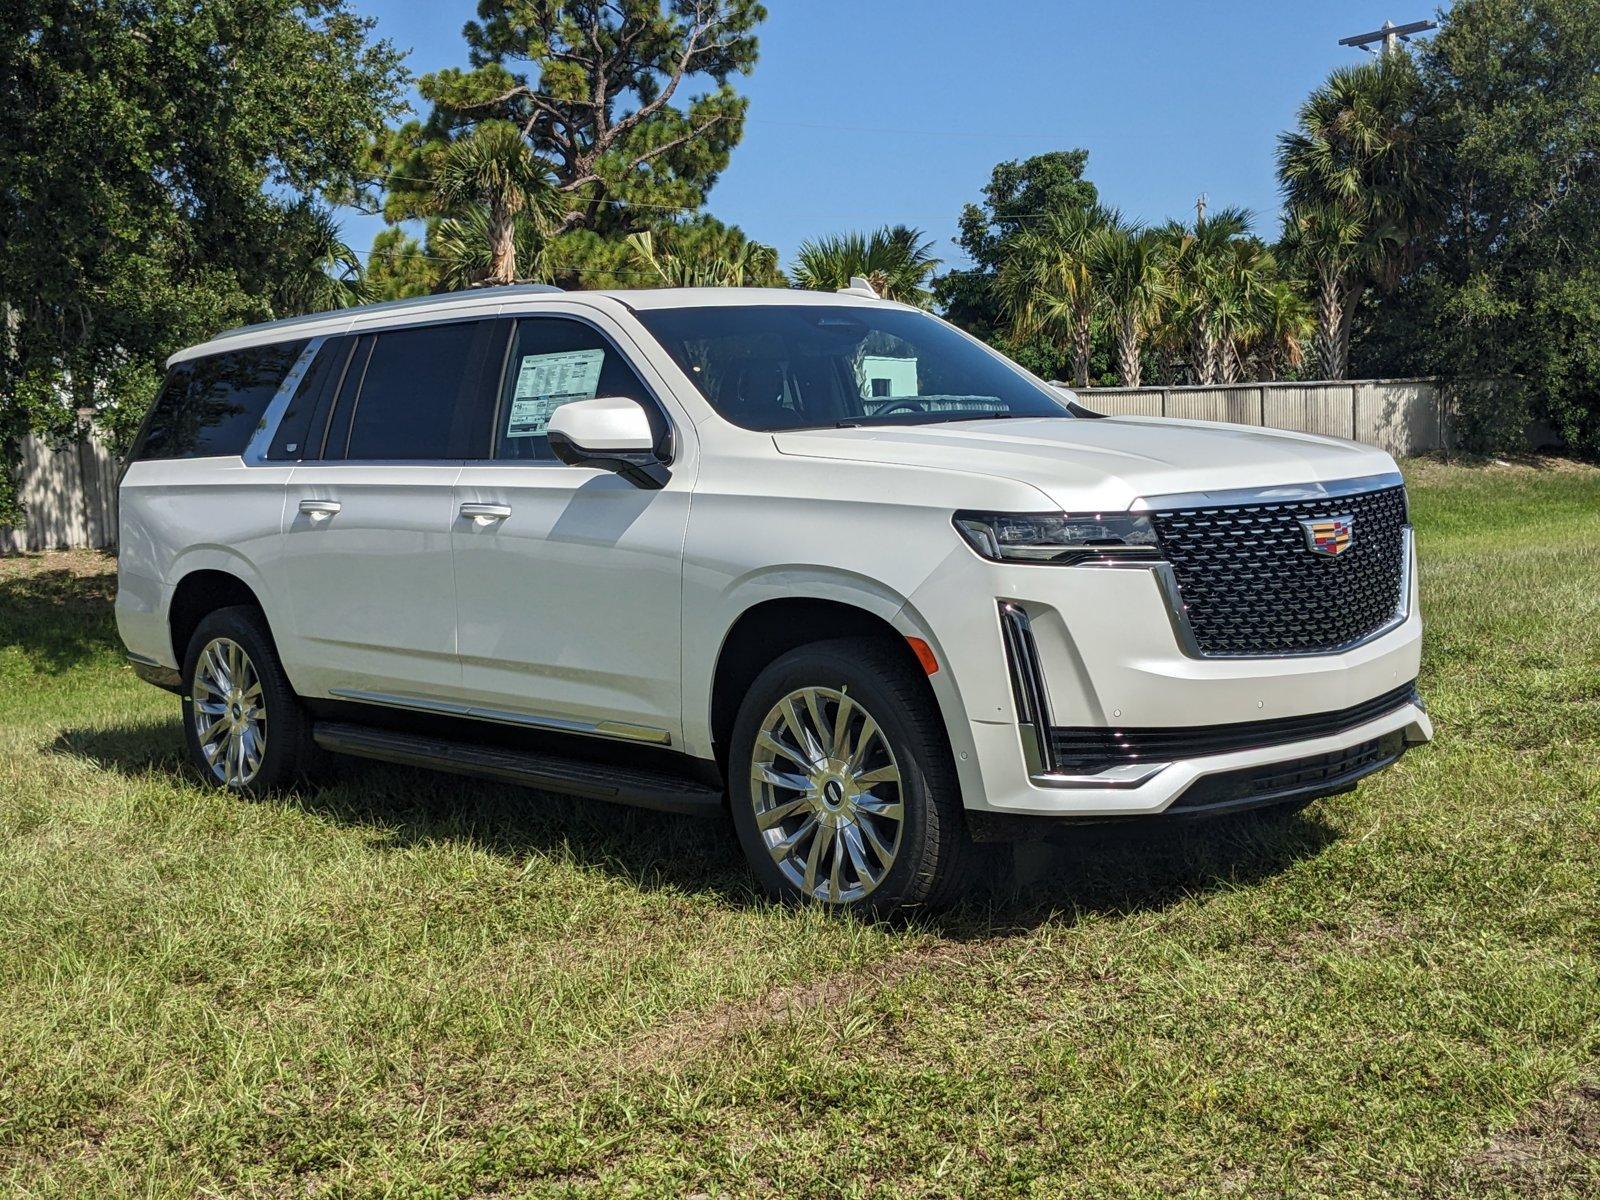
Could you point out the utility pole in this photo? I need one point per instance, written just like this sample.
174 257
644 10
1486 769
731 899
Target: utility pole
1391 35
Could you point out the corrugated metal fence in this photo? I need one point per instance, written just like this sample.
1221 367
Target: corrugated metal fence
1403 416
71 494
70 497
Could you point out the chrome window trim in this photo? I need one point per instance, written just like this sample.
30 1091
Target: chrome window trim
1285 494
674 439
255 452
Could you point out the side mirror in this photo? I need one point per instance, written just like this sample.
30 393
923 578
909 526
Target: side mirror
609 432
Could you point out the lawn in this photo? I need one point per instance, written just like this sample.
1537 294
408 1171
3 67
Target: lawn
404 984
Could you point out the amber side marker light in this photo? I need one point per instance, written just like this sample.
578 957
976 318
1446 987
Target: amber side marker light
924 653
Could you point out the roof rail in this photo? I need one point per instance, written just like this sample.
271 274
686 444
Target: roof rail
513 289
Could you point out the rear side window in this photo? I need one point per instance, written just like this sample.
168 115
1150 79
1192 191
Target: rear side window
210 407
299 432
423 393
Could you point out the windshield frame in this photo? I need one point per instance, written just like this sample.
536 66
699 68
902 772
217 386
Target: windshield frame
1062 403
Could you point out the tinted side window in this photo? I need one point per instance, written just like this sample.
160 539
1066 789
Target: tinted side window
299 433
211 406
424 393
555 361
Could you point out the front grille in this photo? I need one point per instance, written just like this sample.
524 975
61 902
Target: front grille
1250 586
1319 775
1081 750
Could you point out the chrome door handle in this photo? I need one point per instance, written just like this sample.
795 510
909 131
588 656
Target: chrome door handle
319 510
485 513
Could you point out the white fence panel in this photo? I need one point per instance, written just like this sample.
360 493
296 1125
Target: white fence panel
1126 402
1402 416
69 496
1326 408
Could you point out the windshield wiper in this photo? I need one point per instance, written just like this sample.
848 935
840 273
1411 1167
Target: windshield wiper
918 418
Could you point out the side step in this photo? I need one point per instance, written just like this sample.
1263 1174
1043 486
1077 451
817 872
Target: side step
598 781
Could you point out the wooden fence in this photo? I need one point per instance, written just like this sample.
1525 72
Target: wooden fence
71 494
1402 416
69 497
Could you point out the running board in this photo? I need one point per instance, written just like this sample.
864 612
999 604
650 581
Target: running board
597 781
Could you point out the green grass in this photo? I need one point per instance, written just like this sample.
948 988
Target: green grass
409 985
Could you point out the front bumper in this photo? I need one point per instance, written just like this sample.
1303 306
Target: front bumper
1109 659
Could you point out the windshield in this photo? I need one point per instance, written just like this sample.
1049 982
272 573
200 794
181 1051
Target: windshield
803 366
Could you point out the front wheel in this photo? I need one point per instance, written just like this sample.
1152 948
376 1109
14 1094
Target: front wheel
841 783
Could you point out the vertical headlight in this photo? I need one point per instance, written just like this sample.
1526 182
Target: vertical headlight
1062 538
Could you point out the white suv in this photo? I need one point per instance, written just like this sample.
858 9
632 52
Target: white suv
822 563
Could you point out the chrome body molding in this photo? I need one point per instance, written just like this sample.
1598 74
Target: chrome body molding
1033 715
618 730
255 454
1285 494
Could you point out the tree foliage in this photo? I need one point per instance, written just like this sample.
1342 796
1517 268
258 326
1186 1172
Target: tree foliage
1130 269
1507 282
584 106
162 173
699 252
1018 192
897 260
1357 190
1047 285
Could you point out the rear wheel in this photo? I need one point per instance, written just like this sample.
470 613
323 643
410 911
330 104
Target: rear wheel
245 727
841 783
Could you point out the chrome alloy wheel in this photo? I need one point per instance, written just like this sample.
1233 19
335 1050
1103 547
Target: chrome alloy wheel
827 794
230 717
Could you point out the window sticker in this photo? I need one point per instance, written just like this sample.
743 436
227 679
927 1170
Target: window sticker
547 381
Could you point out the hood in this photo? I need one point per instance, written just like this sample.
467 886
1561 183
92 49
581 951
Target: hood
1101 464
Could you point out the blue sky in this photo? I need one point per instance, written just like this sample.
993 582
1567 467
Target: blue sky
872 112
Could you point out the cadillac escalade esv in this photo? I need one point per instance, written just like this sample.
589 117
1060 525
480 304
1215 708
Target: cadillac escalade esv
820 564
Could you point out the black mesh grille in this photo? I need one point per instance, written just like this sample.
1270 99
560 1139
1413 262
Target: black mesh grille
1318 775
1251 586
1094 748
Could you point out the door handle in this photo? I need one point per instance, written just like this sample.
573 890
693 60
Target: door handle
319 510
483 514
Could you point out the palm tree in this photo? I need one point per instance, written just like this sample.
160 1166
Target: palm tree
1046 282
1130 275
492 171
897 260
687 256
1357 197
1286 325
464 247
326 273
1334 242
1203 276
1241 292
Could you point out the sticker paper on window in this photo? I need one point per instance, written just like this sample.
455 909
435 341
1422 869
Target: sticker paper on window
547 381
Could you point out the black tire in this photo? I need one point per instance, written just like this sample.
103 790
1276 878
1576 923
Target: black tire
935 856
289 752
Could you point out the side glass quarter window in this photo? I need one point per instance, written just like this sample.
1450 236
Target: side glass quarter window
210 407
554 361
299 432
